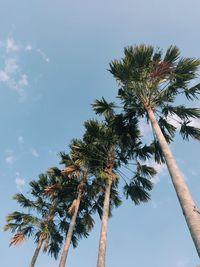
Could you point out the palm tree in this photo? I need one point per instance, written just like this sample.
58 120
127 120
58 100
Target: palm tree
149 84
83 195
106 151
76 171
40 223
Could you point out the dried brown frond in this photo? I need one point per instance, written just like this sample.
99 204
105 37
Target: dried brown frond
17 239
70 169
161 70
46 244
52 190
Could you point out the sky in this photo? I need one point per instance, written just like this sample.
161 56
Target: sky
54 57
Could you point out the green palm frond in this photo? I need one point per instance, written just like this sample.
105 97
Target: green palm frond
65 158
158 155
193 92
181 111
164 124
186 70
102 107
54 171
145 170
143 152
19 217
23 201
187 131
136 192
88 221
172 54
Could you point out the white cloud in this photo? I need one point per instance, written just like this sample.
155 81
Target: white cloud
175 120
23 80
3 76
11 66
10 159
11 73
34 152
39 51
145 128
28 48
11 46
44 56
20 139
161 171
195 123
20 182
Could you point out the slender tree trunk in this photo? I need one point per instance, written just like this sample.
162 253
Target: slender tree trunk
104 227
188 206
70 231
36 253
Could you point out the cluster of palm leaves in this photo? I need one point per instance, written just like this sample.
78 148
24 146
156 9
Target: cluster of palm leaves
63 202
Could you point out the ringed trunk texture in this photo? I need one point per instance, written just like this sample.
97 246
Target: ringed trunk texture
36 253
70 232
188 206
104 227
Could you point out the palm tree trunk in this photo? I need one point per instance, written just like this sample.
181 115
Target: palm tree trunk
188 206
36 253
104 227
70 231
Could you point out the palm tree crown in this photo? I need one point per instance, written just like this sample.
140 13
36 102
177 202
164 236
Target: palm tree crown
149 79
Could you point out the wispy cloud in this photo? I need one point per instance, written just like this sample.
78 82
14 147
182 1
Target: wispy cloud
34 152
28 47
11 45
43 55
20 139
12 74
9 157
161 171
175 120
3 76
20 182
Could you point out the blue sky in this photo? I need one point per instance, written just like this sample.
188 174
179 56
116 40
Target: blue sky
53 61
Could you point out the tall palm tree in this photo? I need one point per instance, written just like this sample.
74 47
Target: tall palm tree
149 85
83 199
81 207
106 153
38 222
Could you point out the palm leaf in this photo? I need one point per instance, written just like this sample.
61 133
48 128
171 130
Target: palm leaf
102 107
189 131
172 54
17 239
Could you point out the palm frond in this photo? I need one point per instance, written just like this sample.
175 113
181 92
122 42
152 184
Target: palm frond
23 201
102 107
192 92
145 170
172 54
181 111
136 192
17 239
187 131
